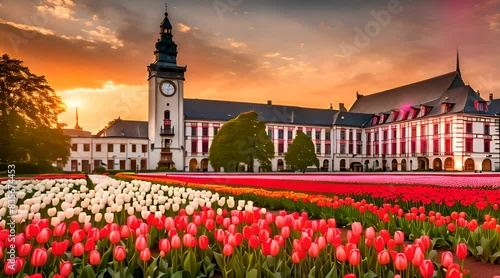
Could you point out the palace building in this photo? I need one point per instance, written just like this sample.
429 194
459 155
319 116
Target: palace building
439 124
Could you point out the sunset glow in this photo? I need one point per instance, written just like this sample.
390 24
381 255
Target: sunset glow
290 52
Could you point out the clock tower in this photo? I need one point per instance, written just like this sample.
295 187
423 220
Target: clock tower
166 110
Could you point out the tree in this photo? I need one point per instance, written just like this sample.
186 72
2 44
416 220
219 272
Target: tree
301 153
29 107
241 140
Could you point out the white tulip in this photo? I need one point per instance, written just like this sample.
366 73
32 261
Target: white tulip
152 209
221 201
51 211
69 213
81 217
54 221
175 207
230 202
131 211
98 217
145 214
109 217
219 211
241 203
189 210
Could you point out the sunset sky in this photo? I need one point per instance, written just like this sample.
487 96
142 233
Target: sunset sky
307 53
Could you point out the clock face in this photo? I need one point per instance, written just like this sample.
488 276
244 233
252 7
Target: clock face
167 88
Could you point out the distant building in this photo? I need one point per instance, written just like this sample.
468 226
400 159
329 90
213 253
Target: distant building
439 123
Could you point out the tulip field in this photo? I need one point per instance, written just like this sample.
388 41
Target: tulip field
238 226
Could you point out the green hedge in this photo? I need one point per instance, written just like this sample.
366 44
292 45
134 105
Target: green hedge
30 168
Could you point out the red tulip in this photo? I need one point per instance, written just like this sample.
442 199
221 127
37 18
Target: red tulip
78 249
65 269
379 243
175 242
78 236
24 250
43 236
446 259
120 253
350 275
426 241
427 269
192 229
13 266
74 226
461 251
285 232
60 229
305 242
124 231
383 257
114 237
341 254
418 257
133 223
454 271
38 275
370 233
353 237
164 245
451 227
141 243
295 257
385 235
219 235
399 237
59 248
39 257
145 255
401 262
354 257
227 250
357 228
203 242
89 245
254 242
275 248
94 257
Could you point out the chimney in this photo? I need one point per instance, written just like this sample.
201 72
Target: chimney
342 107
491 96
292 117
269 102
478 93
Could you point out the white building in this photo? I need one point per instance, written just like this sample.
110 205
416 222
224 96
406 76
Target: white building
439 124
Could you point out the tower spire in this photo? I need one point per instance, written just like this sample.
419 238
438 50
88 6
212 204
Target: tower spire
458 64
77 126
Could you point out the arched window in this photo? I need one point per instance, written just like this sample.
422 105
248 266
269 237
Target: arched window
166 115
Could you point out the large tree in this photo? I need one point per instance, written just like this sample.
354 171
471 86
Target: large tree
301 153
241 140
29 107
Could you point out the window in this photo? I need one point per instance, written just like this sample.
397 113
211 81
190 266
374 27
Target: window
111 147
468 128
480 106
385 135
447 128
281 149
376 149
447 146
111 164
204 131
486 129
402 148
122 165
435 147
393 148
423 146
394 133
204 147
134 148
445 107
280 134
384 148
270 133
342 148
342 135
98 147
327 134
413 146
317 134
487 146
368 149
423 130
144 148
382 119
376 136
74 147
194 146
122 148
318 148
403 132
290 134
350 135
194 130
309 133
216 130
368 137
328 149
468 145
351 150
86 147
359 149
413 132
166 115
358 136
436 129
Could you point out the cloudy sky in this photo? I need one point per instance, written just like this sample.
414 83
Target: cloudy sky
294 52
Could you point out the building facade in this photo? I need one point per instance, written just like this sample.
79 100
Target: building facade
438 124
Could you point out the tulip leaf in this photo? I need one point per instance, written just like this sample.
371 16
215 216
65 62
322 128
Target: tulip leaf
370 274
440 242
312 273
433 256
486 244
181 274
190 263
152 267
252 273
479 250
163 265
131 266
87 272
493 257
104 260
332 273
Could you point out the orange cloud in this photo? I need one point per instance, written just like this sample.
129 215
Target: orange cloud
106 35
495 22
58 8
183 28
25 27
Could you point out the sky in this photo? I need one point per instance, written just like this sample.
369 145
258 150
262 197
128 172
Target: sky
314 53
